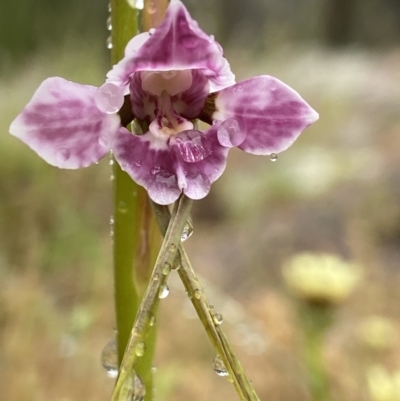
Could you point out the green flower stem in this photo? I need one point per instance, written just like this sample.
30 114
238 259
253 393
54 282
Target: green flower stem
207 315
137 345
315 320
136 236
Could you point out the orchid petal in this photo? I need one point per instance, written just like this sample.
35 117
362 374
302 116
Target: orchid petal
195 178
177 44
62 124
270 113
150 163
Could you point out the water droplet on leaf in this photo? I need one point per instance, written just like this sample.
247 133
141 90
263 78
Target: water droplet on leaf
164 291
273 157
219 367
197 294
109 358
152 321
172 248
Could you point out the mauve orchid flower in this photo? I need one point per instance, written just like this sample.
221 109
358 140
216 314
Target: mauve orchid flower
173 76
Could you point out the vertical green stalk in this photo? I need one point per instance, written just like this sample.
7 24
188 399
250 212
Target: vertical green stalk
136 238
315 320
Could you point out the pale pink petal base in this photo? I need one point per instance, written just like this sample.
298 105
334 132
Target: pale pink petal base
270 114
62 124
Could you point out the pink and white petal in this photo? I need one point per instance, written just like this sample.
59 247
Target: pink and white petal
190 103
136 43
63 125
177 44
150 163
196 177
271 114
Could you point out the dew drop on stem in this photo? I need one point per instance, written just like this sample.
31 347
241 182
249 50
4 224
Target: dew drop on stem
187 231
166 268
218 319
136 4
273 157
164 291
219 367
136 390
140 348
109 358
109 43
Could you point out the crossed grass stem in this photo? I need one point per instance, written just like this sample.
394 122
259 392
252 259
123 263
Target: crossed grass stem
206 312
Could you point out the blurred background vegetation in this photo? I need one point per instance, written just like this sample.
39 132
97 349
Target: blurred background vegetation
336 191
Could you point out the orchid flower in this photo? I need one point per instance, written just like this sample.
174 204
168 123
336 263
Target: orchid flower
169 77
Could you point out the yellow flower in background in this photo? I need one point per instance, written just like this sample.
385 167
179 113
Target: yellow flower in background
377 332
321 278
382 386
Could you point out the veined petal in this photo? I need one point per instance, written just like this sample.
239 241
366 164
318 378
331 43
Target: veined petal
271 114
150 163
63 125
177 44
195 178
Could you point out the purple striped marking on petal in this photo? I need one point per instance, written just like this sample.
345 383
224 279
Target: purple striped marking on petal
63 125
177 44
271 114
150 163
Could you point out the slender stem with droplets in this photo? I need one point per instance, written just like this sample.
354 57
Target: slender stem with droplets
210 320
141 328
136 235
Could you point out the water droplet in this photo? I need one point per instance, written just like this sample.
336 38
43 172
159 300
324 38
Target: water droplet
229 133
191 146
112 177
108 23
112 221
63 154
156 277
151 7
176 265
122 207
140 348
172 248
155 170
218 318
109 358
197 294
109 98
138 4
164 291
111 162
187 231
211 38
219 367
134 388
109 7
166 269
109 43
152 321
273 157
152 31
